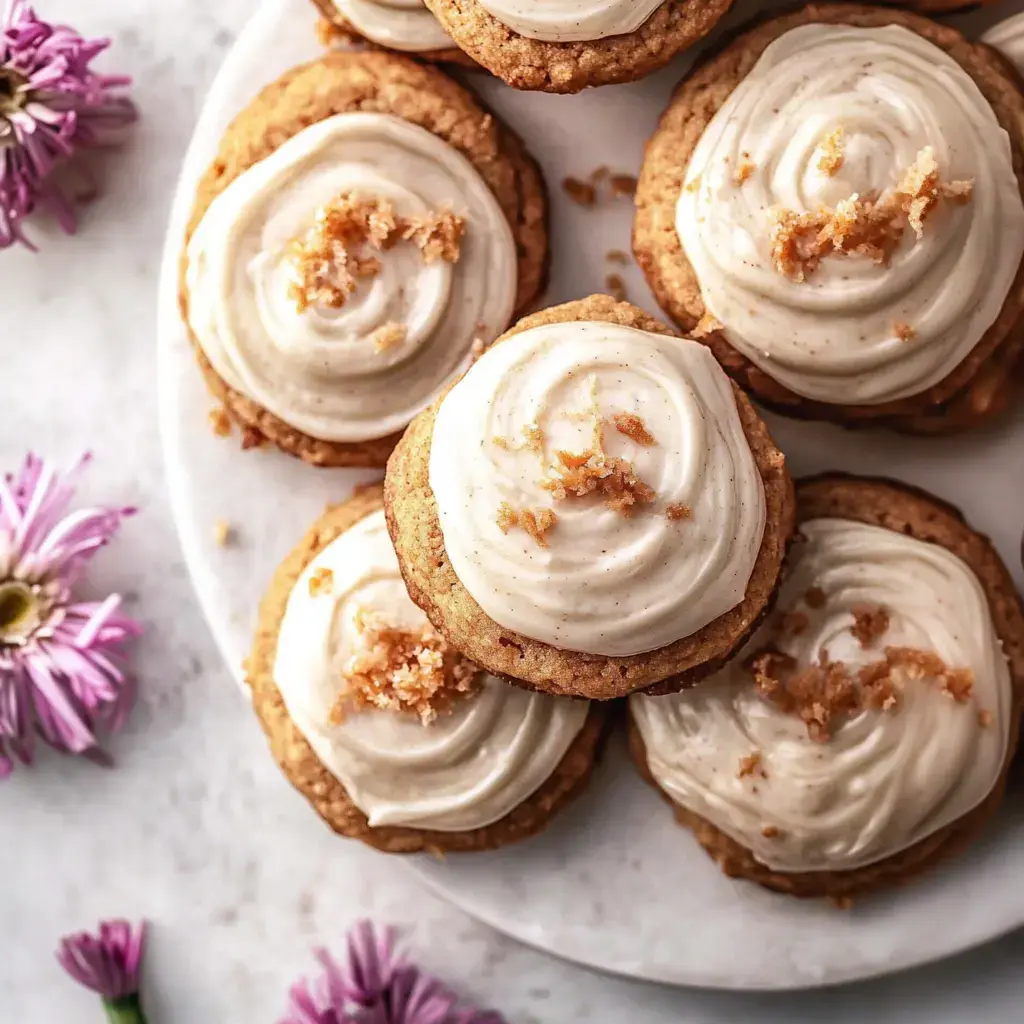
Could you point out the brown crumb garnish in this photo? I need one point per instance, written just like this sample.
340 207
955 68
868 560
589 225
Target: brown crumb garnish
388 336
321 582
535 523
743 172
617 256
693 184
841 902
677 511
438 236
825 691
403 670
477 349
616 287
623 185
633 427
533 440
815 598
223 534
793 623
769 831
985 718
252 438
706 325
328 261
831 152
750 764
581 192
220 422
577 475
599 174
869 624
869 226
903 331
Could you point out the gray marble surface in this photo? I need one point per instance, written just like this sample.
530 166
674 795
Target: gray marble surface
195 829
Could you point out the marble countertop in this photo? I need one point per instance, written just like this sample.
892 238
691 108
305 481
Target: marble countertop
196 830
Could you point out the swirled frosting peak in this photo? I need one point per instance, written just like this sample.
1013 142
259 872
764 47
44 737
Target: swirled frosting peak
396 24
830 116
595 488
886 775
467 768
320 367
565 21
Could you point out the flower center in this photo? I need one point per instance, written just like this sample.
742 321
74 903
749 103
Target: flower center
12 95
20 612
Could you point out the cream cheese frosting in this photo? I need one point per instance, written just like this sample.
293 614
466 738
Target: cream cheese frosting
466 769
568 21
397 24
604 584
834 337
317 370
1008 37
885 779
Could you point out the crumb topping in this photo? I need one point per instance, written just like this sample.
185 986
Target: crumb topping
743 171
477 349
985 718
252 438
581 192
869 226
220 422
623 185
321 582
222 533
693 184
750 764
633 427
706 325
831 159
815 598
534 522
616 287
617 256
328 261
413 672
869 624
793 623
903 331
677 511
533 440
769 831
388 336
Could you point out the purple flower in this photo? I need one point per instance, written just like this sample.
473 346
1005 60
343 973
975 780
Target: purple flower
377 987
61 671
107 963
51 105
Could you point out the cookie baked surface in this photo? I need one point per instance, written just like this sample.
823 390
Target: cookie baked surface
933 765
566 67
391 28
293 747
415 524
351 96
973 388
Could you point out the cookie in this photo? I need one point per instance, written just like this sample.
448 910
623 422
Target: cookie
392 738
843 268
842 754
593 510
366 228
536 46
410 29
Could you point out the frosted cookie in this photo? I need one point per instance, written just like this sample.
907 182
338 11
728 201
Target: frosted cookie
403 25
567 45
394 738
835 199
366 228
594 509
868 729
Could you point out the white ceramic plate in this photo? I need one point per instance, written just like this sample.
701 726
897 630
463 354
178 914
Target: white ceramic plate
613 884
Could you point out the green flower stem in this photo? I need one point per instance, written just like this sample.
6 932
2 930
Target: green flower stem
124 1011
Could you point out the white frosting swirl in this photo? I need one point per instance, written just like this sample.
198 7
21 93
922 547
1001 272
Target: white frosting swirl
885 779
606 584
570 21
1008 37
466 769
397 24
317 370
833 337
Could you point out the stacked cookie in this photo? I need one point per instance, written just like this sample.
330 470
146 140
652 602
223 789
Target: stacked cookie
825 681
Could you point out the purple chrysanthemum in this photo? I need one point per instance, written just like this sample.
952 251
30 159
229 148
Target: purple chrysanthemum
108 964
51 104
61 671
377 987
